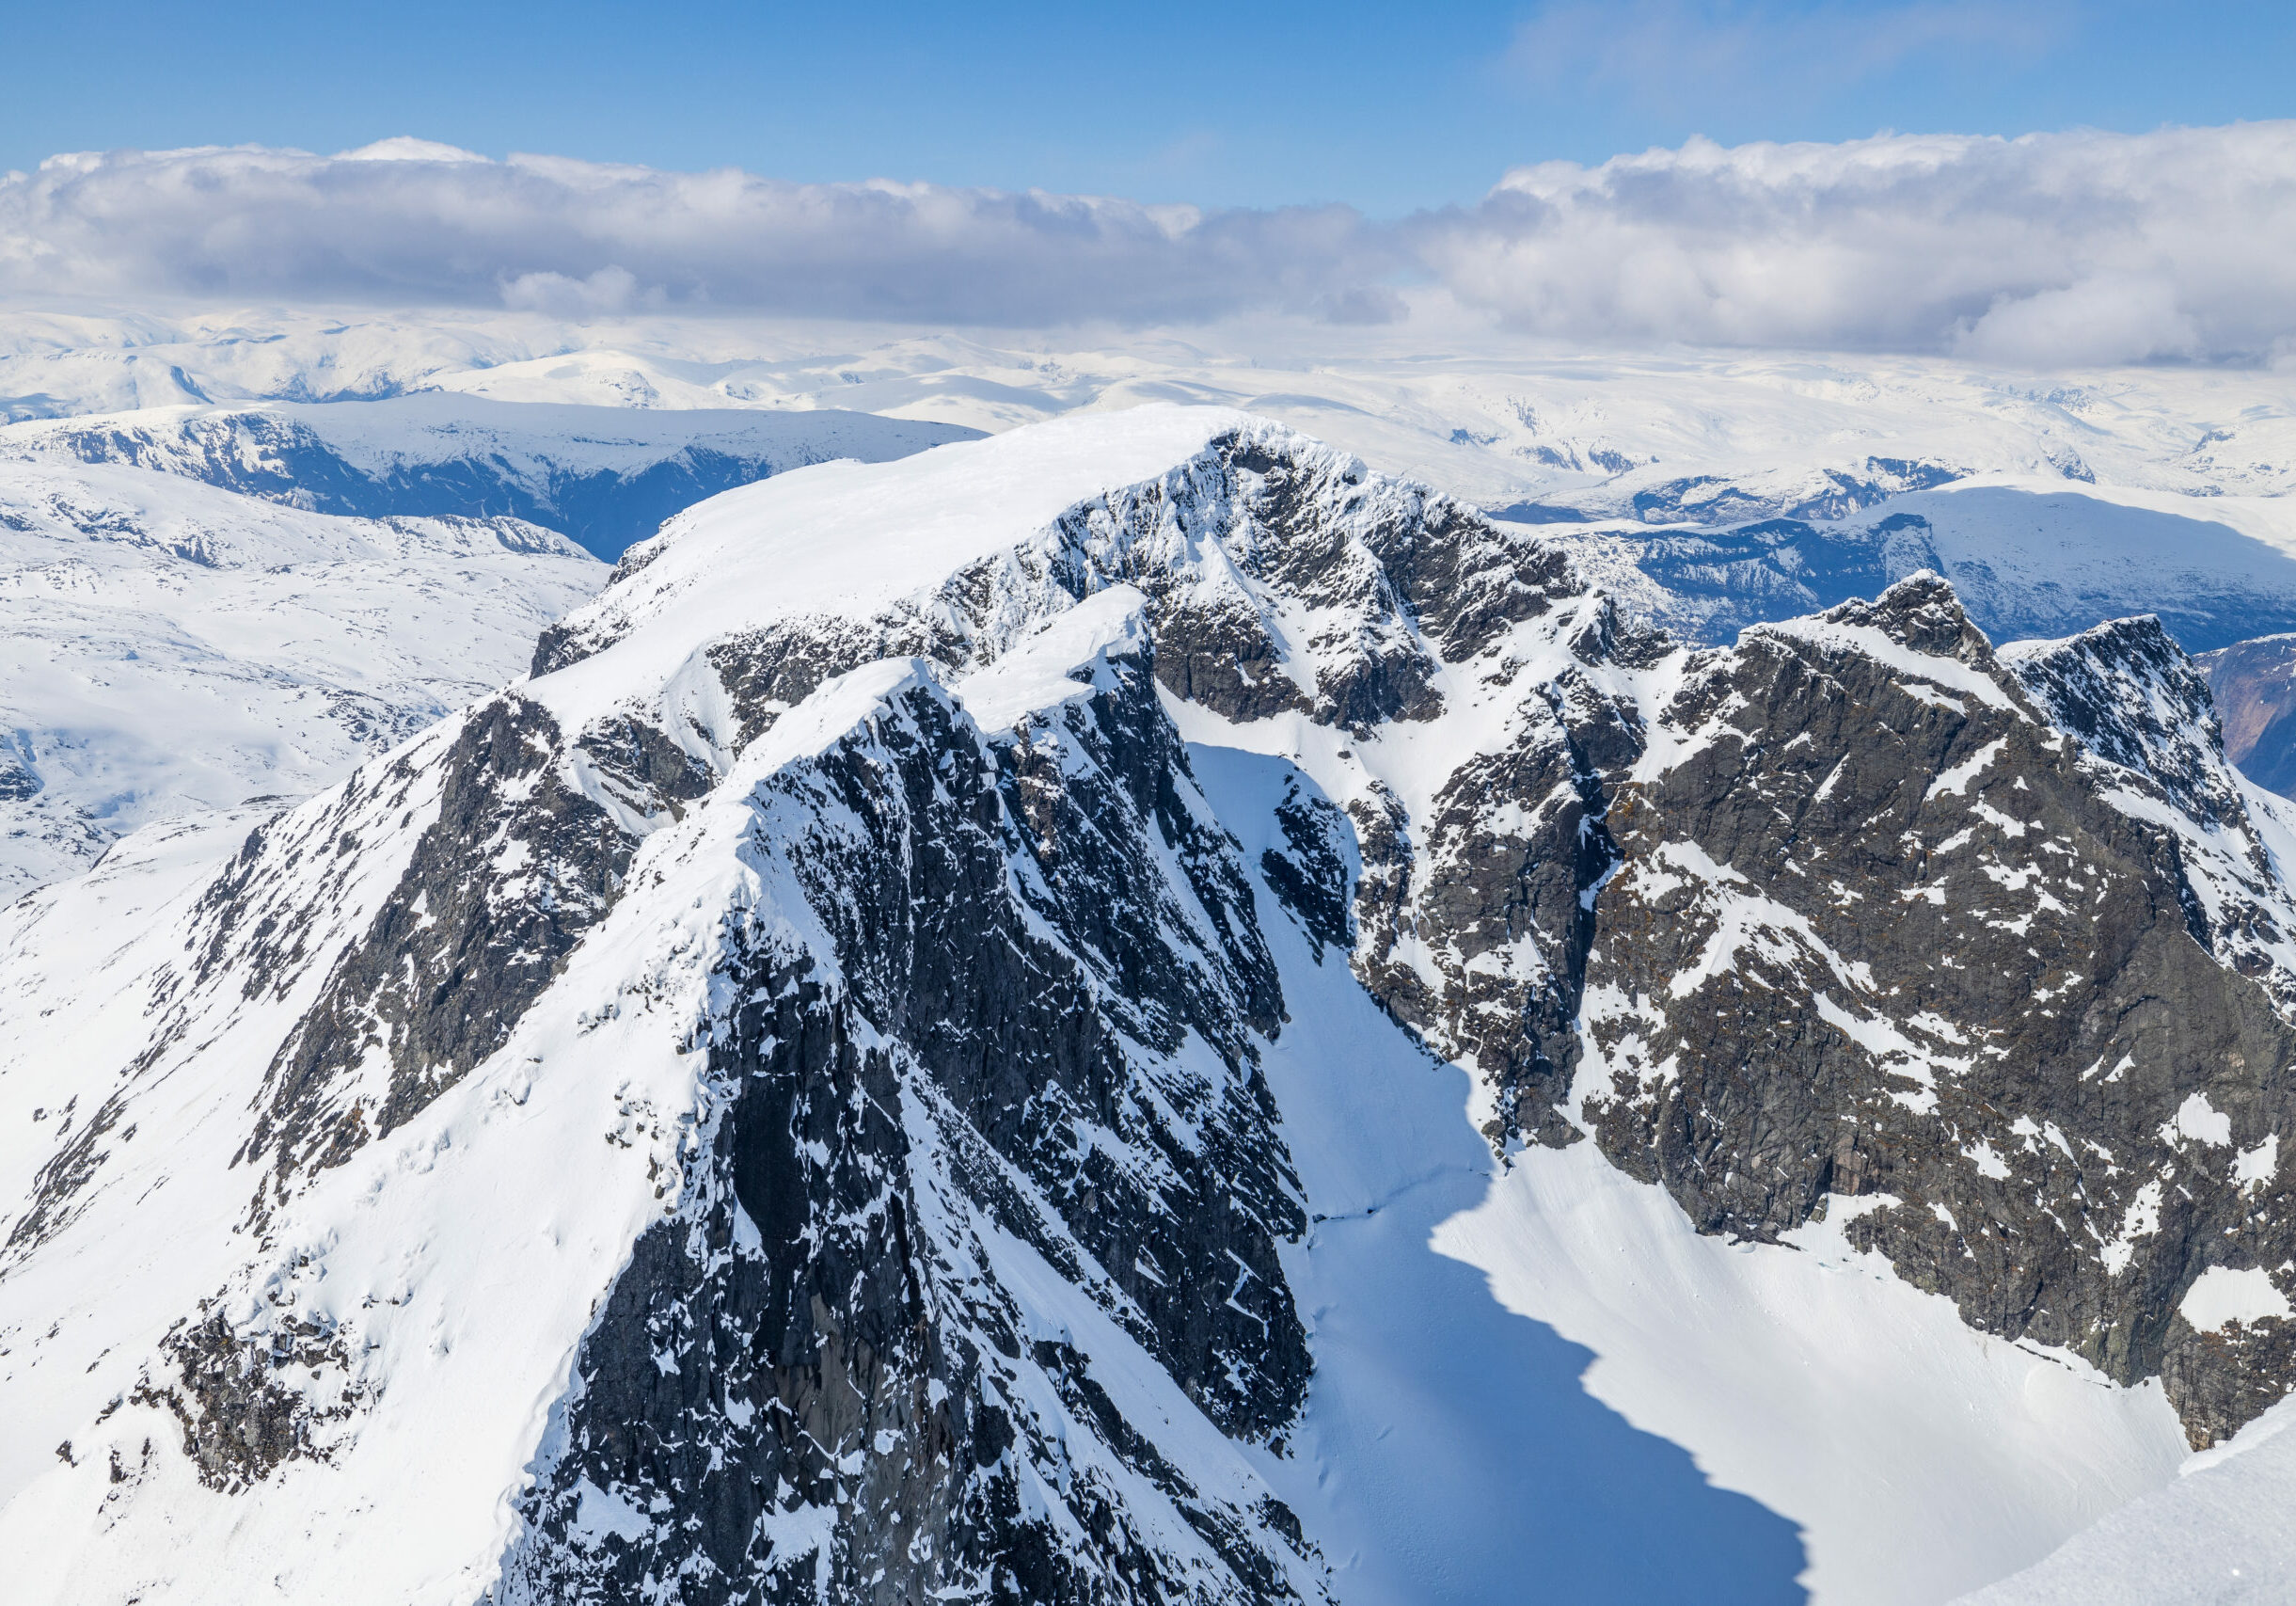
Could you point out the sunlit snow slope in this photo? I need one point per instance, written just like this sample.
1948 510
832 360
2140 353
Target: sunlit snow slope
1117 1014
2218 1533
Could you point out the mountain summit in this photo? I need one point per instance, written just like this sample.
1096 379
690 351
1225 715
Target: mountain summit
954 1039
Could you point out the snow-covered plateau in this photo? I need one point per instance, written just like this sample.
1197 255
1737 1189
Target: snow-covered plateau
1134 1010
1725 487
1494 420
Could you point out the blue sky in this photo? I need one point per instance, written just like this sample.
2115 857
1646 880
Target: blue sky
1387 109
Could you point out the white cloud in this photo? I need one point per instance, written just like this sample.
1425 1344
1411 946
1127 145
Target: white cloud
409 221
2078 247
2067 247
612 289
404 148
2112 317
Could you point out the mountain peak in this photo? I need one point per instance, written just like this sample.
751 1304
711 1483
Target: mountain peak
1922 612
775 1081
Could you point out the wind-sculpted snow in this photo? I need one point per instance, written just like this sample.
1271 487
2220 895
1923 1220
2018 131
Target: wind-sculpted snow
879 1072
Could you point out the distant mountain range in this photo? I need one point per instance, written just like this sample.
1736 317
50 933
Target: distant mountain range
601 477
204 605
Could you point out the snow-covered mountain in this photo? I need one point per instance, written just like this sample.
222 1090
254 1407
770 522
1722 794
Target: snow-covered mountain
602 476
1033 1021
2029 558
1739 488
2255 686
1496 421
205 604
166 648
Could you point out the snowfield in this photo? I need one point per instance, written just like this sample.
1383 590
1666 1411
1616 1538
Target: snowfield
1492 421
168 648
385 1028
206 604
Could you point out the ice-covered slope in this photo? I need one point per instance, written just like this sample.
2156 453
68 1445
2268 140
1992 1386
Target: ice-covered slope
958 1040
603 476
167 647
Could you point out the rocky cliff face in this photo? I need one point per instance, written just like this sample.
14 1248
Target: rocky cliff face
1029 1034
1977 950
2254 683
834 1007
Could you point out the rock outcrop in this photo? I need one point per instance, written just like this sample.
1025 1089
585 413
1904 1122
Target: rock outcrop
835 1006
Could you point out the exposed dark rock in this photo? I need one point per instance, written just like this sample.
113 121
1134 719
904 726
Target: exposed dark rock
498 890
808 1365
1510 877
19 781
1313 873
643 767
71 1169
2220 1382
1383 913
1880 932
2132 697
240 1420
1223 657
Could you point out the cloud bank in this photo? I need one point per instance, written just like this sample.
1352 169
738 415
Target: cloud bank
409 221
2053 248
2050 249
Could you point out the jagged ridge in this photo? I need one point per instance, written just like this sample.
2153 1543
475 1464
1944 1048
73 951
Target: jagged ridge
882 941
